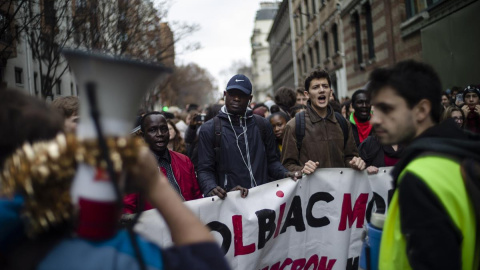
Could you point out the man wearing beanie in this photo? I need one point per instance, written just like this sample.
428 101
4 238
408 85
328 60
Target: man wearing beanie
471 108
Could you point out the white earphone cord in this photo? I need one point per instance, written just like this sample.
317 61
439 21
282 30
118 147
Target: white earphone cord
247 163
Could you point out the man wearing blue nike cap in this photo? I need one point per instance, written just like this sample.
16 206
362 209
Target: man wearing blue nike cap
237 149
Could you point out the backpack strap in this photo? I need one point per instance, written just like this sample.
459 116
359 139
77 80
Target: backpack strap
217 146
261 126
343 124
299 129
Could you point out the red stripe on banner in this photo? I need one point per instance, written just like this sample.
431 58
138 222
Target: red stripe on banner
280 217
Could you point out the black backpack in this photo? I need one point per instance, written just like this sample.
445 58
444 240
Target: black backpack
218 139
300 128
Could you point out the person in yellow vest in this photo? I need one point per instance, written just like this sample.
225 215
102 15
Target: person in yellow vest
431 221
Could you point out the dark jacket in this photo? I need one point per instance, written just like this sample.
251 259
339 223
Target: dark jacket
323 143
233 169
191 139
373 152
184 173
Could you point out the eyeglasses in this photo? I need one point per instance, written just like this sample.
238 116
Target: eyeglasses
458 119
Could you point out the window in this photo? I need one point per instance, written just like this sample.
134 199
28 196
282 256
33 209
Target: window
47 83
35 81
325 44
299 64
304 60
307 10
314 7
358 38
310 54
300 17
4 26
81 3
18 75
336 48
368 19
414 7
49 13
59 87
317 51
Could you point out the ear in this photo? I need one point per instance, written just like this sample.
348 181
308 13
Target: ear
306 93
422 110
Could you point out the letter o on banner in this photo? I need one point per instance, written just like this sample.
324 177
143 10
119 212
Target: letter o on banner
223 230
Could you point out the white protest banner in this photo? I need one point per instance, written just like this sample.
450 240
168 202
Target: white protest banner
314 223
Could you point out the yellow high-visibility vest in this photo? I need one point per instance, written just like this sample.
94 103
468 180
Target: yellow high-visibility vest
443 176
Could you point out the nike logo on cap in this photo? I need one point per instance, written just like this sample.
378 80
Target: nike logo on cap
237 80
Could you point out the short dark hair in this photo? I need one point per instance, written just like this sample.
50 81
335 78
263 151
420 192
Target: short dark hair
142 121
300 91
285 97
358 92
294 109
317 74
411 80
281 114
212 111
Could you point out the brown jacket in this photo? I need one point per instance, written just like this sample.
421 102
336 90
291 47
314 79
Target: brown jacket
323 143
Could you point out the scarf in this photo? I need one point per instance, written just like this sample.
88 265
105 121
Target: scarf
363 128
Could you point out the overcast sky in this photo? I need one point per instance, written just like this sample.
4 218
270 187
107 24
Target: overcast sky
226 28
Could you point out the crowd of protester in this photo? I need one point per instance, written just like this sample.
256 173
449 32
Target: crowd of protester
237 143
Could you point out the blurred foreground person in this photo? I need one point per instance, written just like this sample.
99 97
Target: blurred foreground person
51 243
431 221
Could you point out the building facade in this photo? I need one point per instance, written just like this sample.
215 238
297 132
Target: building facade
33 34
281 57
35 63
261 70
319 41
441 33
350 38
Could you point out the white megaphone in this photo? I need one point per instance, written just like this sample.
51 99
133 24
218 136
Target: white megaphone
118 86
